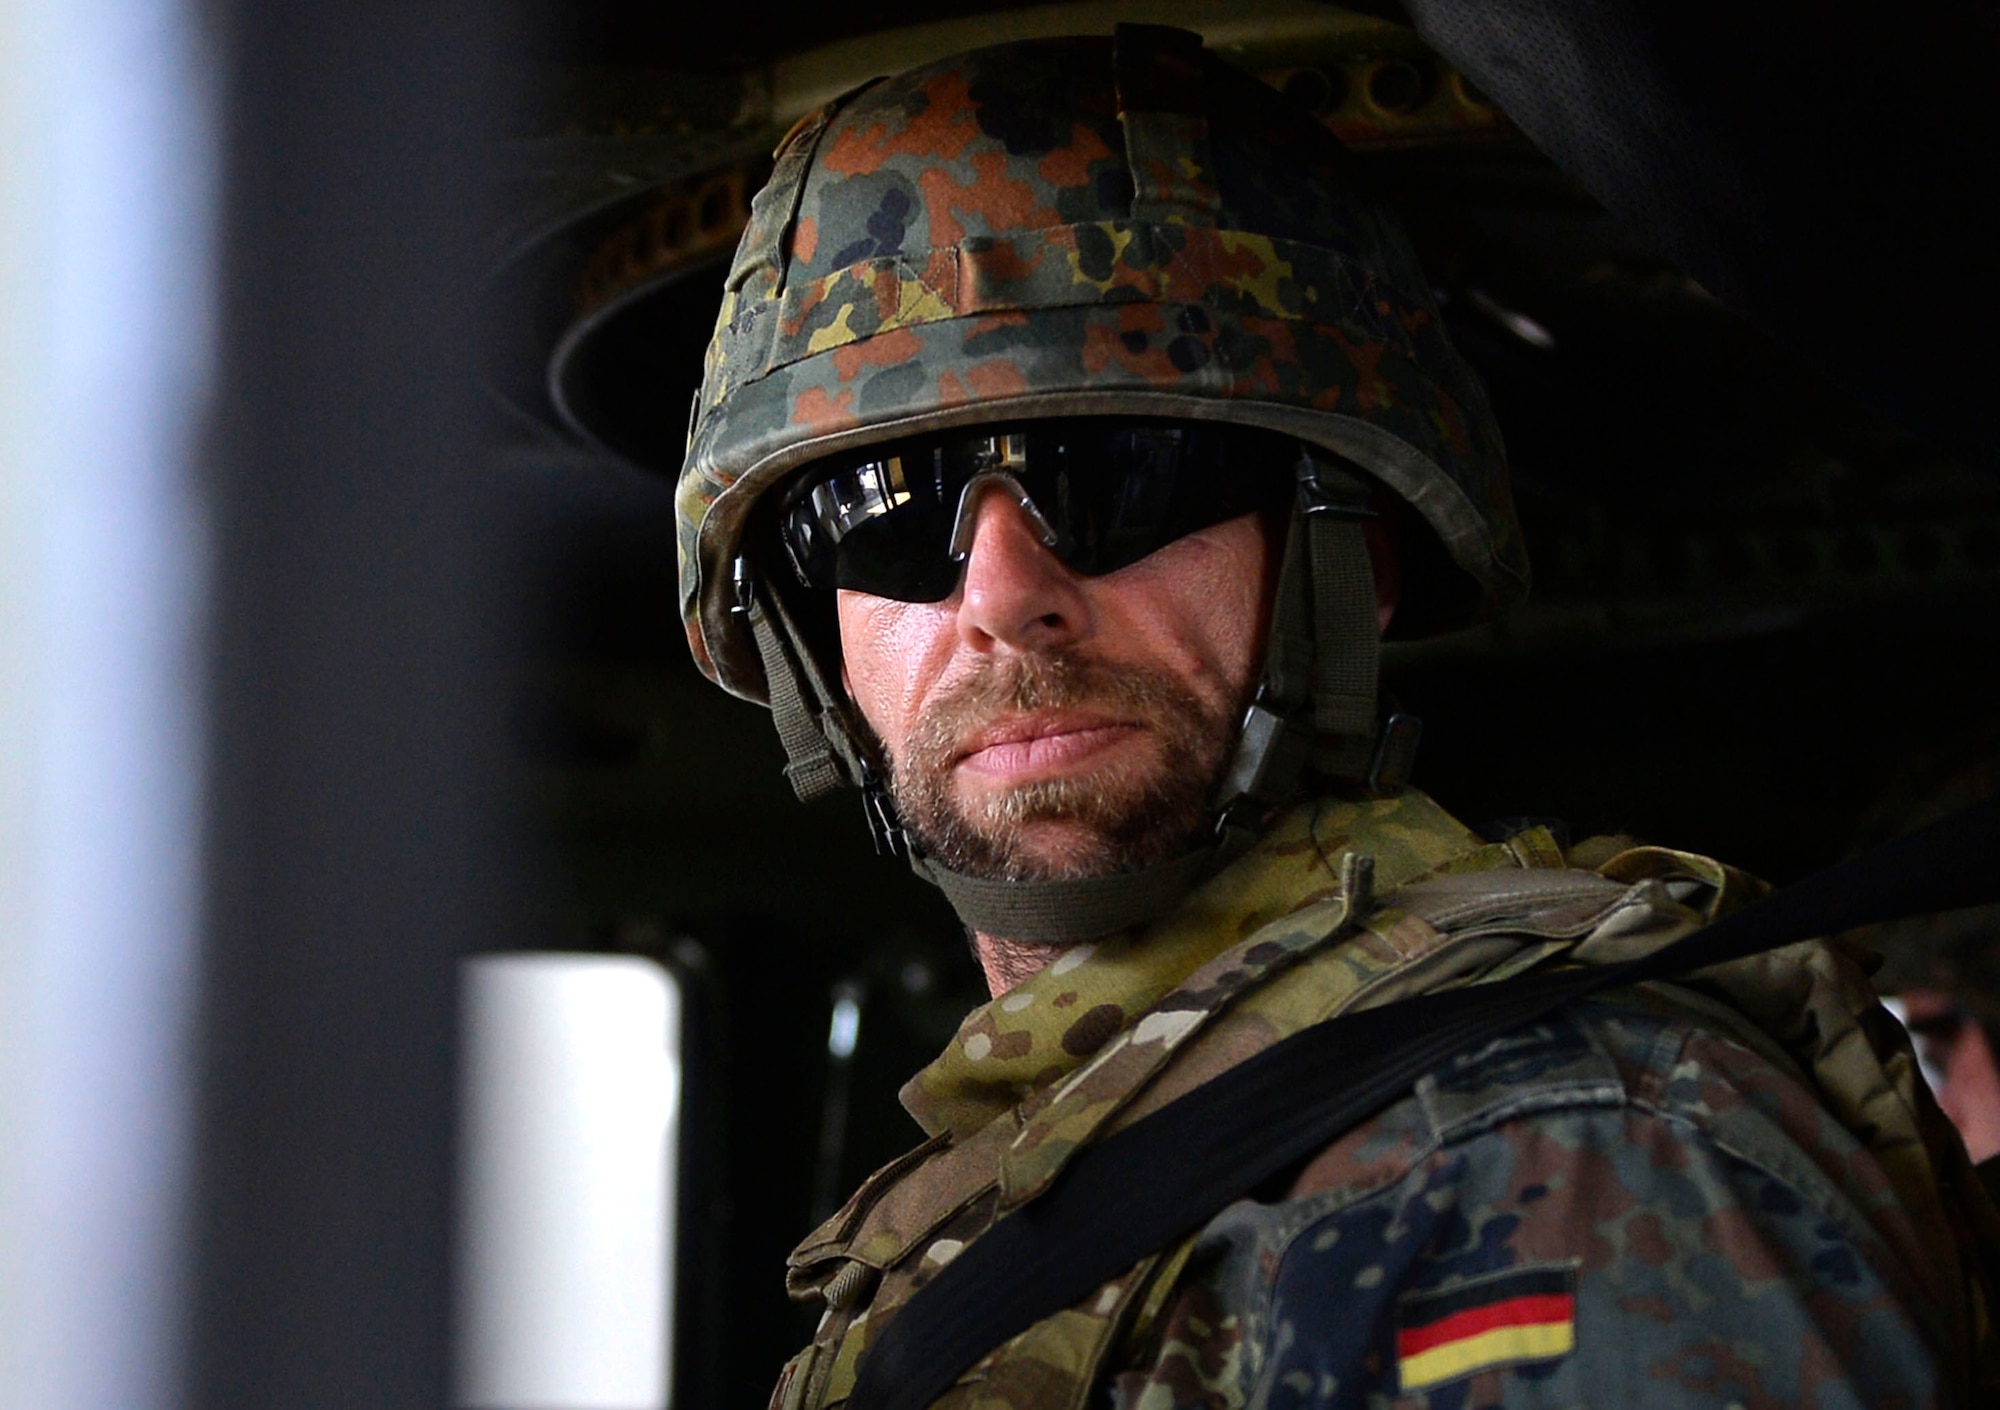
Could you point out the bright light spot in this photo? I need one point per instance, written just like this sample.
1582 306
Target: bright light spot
845 1029
1513 320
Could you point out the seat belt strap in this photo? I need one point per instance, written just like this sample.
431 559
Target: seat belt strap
1164 1176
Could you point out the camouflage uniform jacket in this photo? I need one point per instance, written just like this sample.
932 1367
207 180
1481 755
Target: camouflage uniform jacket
1733 1191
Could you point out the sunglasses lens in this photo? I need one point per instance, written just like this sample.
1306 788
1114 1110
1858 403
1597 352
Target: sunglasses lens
899 556
874 527
1114 492
1134 491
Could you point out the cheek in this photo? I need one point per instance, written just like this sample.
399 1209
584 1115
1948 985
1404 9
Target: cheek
1235 615
1206 597
887 653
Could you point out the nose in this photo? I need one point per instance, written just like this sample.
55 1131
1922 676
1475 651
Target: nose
1016 594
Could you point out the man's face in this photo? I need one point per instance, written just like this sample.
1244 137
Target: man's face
1038 723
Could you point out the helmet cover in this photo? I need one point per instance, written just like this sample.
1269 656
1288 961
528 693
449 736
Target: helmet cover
1080 226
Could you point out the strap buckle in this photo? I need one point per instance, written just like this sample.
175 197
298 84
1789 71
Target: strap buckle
1395 754
1271 751
885 828
1328 489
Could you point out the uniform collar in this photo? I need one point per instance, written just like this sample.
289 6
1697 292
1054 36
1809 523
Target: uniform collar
1045 1028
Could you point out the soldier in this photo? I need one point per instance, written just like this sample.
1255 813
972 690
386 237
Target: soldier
1075 424
1944 970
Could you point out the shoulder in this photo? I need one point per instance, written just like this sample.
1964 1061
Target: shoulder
1614 1199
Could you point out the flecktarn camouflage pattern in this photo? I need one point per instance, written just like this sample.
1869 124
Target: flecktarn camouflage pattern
1079 226
1733 1190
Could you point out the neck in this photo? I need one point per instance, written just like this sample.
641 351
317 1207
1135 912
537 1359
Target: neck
1011 963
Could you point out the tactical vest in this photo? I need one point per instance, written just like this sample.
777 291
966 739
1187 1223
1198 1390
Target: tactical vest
1447 911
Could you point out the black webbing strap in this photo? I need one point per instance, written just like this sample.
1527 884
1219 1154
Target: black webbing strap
809 761
1346 647
1288 656
1166 1175
819 757
1347 638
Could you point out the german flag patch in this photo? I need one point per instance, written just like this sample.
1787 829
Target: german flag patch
1505 1319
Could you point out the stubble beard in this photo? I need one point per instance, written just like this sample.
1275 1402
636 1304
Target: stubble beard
1130 814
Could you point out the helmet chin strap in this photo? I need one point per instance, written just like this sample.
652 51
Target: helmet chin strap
1065 911
1314 709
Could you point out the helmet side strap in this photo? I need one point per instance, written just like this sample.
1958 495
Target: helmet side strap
821 755
1325 645
1347 632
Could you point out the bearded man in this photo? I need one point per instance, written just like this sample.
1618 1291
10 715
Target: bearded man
1076 424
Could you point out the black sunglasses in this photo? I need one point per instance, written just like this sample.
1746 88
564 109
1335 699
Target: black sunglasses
895 521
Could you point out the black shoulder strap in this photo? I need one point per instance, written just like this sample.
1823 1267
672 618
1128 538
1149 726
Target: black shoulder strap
1166 1175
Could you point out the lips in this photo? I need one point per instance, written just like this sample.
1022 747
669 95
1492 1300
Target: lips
1041 743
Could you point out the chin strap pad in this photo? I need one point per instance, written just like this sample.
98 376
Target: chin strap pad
1064 912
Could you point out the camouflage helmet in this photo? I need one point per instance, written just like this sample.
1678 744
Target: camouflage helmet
1055 227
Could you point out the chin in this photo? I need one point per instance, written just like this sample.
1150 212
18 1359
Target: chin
1064 849
1097 822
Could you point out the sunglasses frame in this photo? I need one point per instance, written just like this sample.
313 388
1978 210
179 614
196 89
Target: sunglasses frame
1002 458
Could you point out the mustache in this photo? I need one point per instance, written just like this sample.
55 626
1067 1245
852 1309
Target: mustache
1044 681
1132 814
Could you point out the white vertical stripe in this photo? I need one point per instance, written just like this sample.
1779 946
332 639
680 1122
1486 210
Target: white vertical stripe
106 193
568 1143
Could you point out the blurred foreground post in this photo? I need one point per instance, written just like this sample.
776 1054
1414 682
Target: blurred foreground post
358 844
107 178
